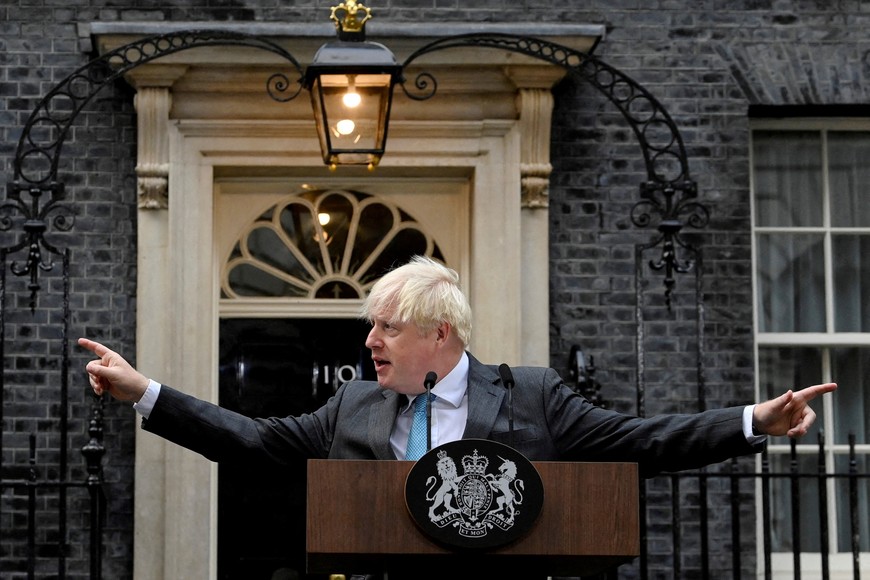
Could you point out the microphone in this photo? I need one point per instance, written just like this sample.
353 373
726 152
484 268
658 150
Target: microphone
429 382
507 378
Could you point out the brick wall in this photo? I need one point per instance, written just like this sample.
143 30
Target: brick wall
706 61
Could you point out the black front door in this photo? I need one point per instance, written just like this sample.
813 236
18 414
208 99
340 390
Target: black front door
277 367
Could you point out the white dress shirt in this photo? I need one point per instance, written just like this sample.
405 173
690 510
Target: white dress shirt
449 411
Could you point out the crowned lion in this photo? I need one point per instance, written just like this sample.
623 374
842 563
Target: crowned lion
448 489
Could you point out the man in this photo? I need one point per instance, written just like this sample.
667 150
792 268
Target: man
421 322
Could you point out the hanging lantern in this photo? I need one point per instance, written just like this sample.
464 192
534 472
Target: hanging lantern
351 84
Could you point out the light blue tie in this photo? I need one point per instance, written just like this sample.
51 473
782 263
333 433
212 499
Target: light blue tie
417 443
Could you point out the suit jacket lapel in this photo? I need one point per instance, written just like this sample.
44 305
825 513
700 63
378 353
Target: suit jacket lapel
381 420
485 395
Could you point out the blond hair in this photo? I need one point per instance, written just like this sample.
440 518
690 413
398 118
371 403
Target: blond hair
423 292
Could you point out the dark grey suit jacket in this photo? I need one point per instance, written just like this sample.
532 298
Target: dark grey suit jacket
551 422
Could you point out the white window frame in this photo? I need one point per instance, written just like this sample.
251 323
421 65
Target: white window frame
840 557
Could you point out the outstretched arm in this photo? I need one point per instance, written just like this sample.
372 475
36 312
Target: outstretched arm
790 413
110 373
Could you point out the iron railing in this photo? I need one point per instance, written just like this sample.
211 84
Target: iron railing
40 498
677 556
719 522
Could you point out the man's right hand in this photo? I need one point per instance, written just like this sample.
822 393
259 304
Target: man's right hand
112 374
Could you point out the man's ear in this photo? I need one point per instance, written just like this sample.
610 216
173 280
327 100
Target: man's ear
443 332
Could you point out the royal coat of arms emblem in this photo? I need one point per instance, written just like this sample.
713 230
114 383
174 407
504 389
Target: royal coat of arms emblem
491 499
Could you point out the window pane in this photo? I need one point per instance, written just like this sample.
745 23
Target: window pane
248 280
335 214
297 223
851 371
788 178
381 222
795 496
791 283
851 283
848 154
266 246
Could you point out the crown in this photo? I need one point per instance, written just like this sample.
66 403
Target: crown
442 454
474 464
351 16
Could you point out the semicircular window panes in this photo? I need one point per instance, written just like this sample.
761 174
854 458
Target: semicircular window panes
329 244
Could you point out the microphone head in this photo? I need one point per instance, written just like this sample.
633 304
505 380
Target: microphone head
507 377
431 379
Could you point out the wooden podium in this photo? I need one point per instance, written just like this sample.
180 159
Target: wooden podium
358 522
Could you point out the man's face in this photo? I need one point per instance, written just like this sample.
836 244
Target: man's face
402 355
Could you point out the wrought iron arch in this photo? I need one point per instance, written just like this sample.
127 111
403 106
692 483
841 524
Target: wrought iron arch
37 156
59 108
668 190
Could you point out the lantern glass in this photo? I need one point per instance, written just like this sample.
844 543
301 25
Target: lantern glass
352 112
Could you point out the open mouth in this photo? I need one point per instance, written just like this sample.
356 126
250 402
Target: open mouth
380 364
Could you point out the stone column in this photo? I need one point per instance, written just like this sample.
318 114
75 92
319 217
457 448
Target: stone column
153 102
535 109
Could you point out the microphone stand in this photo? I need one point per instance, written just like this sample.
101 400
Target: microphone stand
431 379
507 377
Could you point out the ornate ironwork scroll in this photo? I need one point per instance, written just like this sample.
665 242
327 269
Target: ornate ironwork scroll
668 191
35 191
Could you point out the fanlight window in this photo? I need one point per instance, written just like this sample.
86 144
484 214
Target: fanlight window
323 244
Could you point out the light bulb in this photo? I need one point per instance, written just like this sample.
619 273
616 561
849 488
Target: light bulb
345 127
323 218
351 99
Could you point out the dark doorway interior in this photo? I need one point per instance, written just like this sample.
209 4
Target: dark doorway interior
277 367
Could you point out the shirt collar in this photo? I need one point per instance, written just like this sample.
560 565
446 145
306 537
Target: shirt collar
451 389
